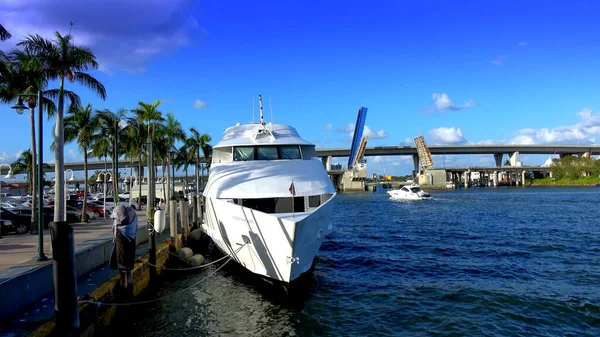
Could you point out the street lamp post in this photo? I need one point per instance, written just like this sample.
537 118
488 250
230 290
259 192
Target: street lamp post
98 180
8 176
67 191
20 107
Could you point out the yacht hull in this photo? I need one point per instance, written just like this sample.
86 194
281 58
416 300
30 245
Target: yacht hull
278 246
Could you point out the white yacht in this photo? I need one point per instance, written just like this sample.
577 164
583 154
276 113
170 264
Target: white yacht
409 192
267 189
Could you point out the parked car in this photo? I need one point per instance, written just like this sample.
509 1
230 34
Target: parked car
110 202
91 215
94 211
48 214
13 222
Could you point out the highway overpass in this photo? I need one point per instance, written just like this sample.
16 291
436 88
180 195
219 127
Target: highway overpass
496 150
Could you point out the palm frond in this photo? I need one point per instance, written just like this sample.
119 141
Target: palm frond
91 83
4 34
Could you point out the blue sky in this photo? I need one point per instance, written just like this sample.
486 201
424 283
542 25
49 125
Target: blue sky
456 72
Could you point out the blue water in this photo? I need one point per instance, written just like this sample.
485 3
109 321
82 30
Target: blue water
478 262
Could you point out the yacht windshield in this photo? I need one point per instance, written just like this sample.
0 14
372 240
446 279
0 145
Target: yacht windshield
243 153
290 152
266 152
414 189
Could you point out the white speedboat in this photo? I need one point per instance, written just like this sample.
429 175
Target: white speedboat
268 200
409 192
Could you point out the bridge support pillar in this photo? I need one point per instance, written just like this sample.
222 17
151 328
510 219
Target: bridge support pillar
416 166
467 173
498 159
523 178
587 154
495 178
514 158
327 162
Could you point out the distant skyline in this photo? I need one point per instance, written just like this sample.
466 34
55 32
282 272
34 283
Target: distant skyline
457 72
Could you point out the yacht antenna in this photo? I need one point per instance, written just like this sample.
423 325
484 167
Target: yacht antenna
262 119
252 109
271 107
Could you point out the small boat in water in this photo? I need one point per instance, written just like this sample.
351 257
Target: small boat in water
409 192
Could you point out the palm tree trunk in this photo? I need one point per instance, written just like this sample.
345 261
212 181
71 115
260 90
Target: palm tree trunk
32 187
115 176
169 196
163 185
59 168
84 217
139 179
197 172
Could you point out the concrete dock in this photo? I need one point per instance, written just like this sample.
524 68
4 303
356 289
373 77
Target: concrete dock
26 286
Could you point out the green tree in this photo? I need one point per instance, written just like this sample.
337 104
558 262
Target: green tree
170 133
60 59
80 125
23 163
18 77
134 142
108 128
148 113
195 143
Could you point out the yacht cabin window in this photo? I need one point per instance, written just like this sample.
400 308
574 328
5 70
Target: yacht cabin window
243 153
266 152
290 152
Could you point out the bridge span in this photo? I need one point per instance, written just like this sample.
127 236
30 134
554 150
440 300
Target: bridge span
326 154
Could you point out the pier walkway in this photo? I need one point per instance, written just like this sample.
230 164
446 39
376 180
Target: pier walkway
26 286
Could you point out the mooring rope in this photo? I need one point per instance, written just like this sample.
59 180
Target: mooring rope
166 296
185 269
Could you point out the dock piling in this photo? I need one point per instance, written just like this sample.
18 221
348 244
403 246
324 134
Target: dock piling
65 278
173 223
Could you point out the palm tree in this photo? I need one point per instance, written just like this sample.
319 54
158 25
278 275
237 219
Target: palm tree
183 159
149 113
80 125
23 164
18 77
170 132
134 142
4 34
61 59
194 144
108 127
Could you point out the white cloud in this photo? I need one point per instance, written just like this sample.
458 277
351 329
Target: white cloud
374 134
122 34
498 61
522 43
381 134
74 154
447 136
408 141
584 132
442 103
198 104
5 157
349 128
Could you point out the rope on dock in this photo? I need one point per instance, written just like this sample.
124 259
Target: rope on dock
186 269
166 296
